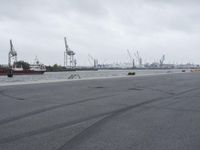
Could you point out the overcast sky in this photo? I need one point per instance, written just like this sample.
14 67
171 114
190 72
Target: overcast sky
104 29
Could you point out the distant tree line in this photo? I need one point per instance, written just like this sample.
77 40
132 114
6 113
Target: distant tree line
55 68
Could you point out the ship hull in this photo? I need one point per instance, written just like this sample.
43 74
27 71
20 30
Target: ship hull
4 72
28 72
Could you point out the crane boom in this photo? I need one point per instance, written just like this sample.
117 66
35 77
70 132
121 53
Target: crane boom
131 58
94 60
12 54
12 50
162 60
66 46
91 57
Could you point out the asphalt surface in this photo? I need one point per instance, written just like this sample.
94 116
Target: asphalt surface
140 113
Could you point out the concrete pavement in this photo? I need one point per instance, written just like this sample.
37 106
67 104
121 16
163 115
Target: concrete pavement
143 113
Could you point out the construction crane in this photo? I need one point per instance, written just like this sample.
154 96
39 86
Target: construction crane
162 60
131 58
94 60
12 55
69 56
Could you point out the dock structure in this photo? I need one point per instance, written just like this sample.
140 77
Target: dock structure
151 112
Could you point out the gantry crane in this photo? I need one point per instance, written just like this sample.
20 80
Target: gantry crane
131 59
94 60
70 53
11 55
162 61
139 58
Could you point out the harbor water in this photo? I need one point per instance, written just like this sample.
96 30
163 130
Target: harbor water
51 76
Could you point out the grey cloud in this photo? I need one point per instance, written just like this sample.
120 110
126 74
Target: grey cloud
104 28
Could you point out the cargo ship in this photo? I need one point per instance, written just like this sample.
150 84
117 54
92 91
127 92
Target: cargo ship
3 70
35 69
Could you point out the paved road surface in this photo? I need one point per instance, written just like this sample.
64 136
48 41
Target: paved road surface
139 113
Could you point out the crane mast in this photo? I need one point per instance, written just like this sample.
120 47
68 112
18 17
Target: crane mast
68 56
65 52
131 58
162 61
139 59
94 60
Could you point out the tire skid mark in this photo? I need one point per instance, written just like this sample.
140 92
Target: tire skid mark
50 128
66 124
162 91
42 110
2 93
108 116
38 111
82 135
90 130
174 94
175 109
177 100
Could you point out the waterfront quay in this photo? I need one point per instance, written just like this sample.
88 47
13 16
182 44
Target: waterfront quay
160 112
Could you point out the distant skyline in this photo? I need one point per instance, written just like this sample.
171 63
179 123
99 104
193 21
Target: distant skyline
105 29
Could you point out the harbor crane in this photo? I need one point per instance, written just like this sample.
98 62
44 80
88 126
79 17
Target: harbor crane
94 60
69 56
139 58
162 61
11 55
131 58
